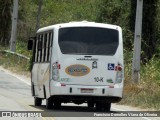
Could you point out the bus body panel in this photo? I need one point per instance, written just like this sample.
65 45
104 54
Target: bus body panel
96 78
97 75
40 78
96 91
79 75
34 78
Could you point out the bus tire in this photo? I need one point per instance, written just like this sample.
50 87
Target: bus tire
107 107
99 106
57 105
32 89
37 101
90 104
44 90
49 104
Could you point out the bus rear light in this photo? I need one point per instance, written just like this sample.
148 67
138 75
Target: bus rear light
111 86
63 84
119 74
55 71
118 68
59 66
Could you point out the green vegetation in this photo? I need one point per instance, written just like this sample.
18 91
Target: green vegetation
5 21
121 12
14 63
146 93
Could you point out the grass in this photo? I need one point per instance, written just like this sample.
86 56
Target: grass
142 95
21 48
146 93
14 63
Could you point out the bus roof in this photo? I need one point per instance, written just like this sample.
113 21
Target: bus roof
78 24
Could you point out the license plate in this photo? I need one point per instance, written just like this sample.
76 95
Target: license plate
86 90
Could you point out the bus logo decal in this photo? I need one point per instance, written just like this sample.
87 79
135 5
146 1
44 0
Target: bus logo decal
77 70
110 66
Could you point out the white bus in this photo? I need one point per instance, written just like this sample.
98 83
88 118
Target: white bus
77 62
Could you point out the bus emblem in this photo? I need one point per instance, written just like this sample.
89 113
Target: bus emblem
77 70
94 64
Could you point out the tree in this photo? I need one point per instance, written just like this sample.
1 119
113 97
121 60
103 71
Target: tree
5 21
117 12
132 15
149 27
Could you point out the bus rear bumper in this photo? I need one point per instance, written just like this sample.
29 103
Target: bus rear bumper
87 92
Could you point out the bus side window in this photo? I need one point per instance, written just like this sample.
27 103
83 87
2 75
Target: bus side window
36 49
40 48
50 45
42 51
47 40
43 47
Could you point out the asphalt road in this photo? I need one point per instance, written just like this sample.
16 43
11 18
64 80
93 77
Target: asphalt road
15 95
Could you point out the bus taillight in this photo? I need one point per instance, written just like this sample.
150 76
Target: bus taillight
63 85
59 66
118 68
55 72
119 74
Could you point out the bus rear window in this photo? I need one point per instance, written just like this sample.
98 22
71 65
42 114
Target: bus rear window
88 41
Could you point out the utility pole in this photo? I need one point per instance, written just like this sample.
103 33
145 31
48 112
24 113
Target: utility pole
14 26
137 43
39 14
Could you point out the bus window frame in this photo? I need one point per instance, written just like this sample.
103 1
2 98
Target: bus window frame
43 47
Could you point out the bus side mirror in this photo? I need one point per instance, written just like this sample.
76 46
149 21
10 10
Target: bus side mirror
30 43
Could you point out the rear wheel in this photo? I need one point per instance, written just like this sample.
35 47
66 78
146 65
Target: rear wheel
90 104
107 106
37 101
49 104
100 106
57 104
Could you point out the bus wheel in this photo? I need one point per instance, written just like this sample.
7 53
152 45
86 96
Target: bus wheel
99 106
107 107
49 104
37 101
90 104
57 104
